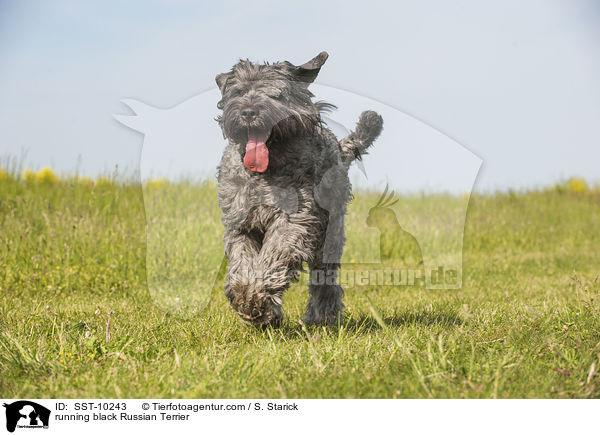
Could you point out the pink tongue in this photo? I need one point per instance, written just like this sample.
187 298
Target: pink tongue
257 154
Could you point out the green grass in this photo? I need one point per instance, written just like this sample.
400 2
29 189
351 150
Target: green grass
77 318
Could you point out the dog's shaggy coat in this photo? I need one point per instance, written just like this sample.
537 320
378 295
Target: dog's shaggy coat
283 189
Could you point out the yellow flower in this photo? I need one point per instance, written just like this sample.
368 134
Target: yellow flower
29 176
156 183
577 185
47 176
103 182
85 181
4 175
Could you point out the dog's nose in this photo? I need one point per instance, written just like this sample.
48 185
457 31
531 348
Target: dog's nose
249 114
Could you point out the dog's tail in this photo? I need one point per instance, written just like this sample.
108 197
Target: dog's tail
368 128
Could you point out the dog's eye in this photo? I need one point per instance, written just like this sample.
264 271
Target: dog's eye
236 91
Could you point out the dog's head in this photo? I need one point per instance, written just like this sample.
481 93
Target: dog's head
265 104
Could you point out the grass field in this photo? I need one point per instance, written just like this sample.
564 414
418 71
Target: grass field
77 318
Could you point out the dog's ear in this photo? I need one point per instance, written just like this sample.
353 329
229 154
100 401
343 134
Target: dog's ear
310 70
221 80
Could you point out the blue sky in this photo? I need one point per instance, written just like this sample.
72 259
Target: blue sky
516 83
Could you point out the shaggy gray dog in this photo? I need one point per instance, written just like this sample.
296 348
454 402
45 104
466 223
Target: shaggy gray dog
283 189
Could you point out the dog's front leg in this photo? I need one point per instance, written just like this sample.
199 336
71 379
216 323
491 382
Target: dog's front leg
241 251
287 243
325 301
249 284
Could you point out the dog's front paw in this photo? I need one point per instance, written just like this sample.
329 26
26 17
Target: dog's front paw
257 308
